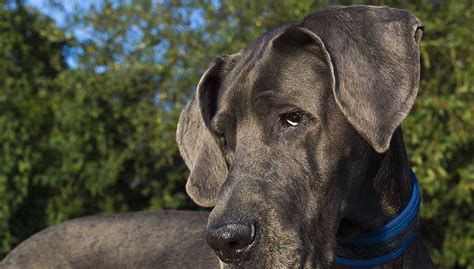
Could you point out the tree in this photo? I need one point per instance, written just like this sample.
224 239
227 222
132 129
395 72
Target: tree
30 58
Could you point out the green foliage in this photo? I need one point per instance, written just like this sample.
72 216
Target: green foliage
30 59
440 133
79 142
99 138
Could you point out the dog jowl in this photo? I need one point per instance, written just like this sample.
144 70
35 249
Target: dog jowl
295 140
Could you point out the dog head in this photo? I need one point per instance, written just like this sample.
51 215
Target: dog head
283 137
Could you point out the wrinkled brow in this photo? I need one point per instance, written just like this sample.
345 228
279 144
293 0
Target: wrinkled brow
278 100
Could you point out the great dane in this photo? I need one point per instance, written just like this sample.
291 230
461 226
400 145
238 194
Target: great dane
295 142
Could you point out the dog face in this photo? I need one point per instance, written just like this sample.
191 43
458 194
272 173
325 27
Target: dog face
283 136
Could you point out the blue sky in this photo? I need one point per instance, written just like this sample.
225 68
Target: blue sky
58 15
65 8
70 6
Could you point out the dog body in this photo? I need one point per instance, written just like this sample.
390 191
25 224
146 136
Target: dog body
167 239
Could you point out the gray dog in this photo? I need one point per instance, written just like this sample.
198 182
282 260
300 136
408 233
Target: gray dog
295 142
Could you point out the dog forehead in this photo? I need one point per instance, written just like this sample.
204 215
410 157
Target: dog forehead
290 79
243 68
259 71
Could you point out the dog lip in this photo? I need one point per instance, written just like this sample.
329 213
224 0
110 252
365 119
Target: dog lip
238 257
230 258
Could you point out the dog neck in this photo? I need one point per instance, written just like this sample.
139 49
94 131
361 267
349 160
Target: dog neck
381 196
393 189
392 183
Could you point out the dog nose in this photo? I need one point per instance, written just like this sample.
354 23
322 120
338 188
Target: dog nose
231 242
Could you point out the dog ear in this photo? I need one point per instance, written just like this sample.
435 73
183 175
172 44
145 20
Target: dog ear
197 145
373 57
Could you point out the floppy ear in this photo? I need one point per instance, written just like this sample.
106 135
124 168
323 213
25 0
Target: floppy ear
197 145
374 63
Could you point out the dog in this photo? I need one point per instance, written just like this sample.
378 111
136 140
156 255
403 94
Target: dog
295 142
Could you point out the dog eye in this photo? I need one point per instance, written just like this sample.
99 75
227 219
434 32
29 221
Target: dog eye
292 119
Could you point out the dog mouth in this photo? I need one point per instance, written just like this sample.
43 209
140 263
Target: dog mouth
264 252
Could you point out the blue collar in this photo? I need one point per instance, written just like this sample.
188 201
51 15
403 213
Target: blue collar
388 243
